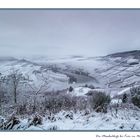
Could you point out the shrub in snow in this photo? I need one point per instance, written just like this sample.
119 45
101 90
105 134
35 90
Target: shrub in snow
85 85
135 91
125 98
2 120
136 100
122 126
66 102
70 89
86 112
90 93
72 79
53 104
21 109
10 123
26 108
36 120
69 115
51 117
135 96
82 103
100 101
53 128
89 86
59 102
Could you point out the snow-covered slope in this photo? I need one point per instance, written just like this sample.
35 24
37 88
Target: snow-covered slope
124 120
114 72
35 72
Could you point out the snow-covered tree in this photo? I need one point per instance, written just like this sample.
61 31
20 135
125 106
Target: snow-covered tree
14 80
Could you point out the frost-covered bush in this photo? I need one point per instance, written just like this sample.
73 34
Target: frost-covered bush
26 108
21 109
135 91
100 101
125 98
36 120
135 96
52 103
82 103
136 100
53 128
69 115
66 102
70 89
59 102
10 123
72 79
89 86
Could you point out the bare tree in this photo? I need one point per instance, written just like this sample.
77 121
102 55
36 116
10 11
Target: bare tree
15 79
1 95
37 88
42 85
2 92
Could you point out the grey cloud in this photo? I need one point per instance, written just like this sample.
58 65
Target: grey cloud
68 32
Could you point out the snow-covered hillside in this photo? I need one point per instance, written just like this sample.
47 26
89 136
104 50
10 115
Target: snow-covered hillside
115 72
124 120
71 79
34 71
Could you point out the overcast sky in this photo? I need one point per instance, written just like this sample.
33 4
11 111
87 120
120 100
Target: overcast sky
68 32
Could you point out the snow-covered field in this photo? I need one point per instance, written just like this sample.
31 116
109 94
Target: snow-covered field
124 120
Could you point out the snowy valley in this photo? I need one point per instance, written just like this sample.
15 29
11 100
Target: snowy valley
71 93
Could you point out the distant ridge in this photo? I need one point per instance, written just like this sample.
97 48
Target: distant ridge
8 58
135 54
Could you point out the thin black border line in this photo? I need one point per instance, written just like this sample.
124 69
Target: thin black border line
70 9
